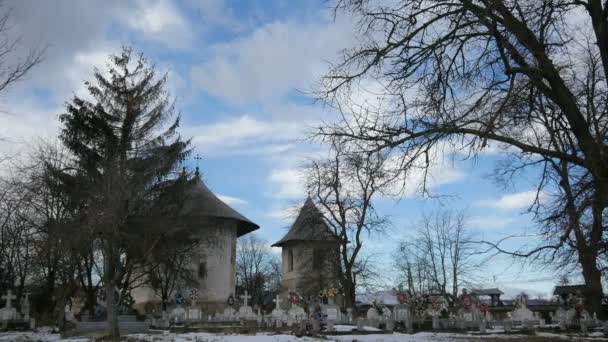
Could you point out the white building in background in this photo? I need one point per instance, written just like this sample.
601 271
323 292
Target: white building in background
219 227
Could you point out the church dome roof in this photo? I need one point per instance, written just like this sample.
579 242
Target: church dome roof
202 203
309 226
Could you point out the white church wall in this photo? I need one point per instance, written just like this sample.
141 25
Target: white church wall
217 251
218 254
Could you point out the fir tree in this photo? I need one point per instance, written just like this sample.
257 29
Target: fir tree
127 153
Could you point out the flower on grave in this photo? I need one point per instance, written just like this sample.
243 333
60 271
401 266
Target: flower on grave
294 298
332 292
402 297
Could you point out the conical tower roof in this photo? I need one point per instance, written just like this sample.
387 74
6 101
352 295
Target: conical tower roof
308 226
201 203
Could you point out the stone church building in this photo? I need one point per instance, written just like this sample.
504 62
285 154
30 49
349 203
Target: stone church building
219 226
309 254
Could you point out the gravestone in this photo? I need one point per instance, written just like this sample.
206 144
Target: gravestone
372 314
194 314
349 314
584 327
435 322
402 312
386 313
25 306
8 312
278 313
330 325
390 324
178 315
482 326
229 314
508 325
522 313
296 312
373 317
331 312
316 325
360 324
245 311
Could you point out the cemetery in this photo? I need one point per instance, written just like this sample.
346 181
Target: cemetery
299 312
303 170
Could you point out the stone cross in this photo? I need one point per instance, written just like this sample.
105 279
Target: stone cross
245 298
9 296
278 301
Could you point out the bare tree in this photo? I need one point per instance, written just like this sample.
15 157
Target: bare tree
441 258
170 266
256 268
11 72
13 65
344 186
530 75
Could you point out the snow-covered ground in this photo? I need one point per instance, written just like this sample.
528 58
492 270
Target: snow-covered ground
204 337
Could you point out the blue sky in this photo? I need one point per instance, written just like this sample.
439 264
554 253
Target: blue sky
240 72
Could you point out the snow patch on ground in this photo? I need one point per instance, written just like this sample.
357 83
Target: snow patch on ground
46 336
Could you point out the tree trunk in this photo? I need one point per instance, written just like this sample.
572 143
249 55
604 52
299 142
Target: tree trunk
594 292
112 311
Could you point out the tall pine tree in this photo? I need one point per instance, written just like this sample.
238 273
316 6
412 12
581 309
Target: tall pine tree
127 154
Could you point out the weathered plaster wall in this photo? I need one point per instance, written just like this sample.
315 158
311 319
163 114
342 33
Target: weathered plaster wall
217 251
303 272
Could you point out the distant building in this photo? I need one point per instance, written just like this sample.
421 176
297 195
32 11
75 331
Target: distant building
564 291
310 252
493 293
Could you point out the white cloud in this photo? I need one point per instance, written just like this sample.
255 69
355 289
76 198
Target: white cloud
217 14
272 61
160 20
419 176
512 201
243 135
288 183
231 200
490 222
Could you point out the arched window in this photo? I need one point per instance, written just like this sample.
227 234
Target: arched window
289 260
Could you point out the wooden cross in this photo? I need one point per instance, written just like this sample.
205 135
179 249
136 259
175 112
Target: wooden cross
245 298
277 301
9 296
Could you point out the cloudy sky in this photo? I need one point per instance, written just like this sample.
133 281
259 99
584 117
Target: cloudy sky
241 72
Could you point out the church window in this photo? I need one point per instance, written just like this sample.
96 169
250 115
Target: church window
289 260
202 270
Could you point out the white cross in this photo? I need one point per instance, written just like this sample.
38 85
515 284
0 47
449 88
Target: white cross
8 297
277 301
245 298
